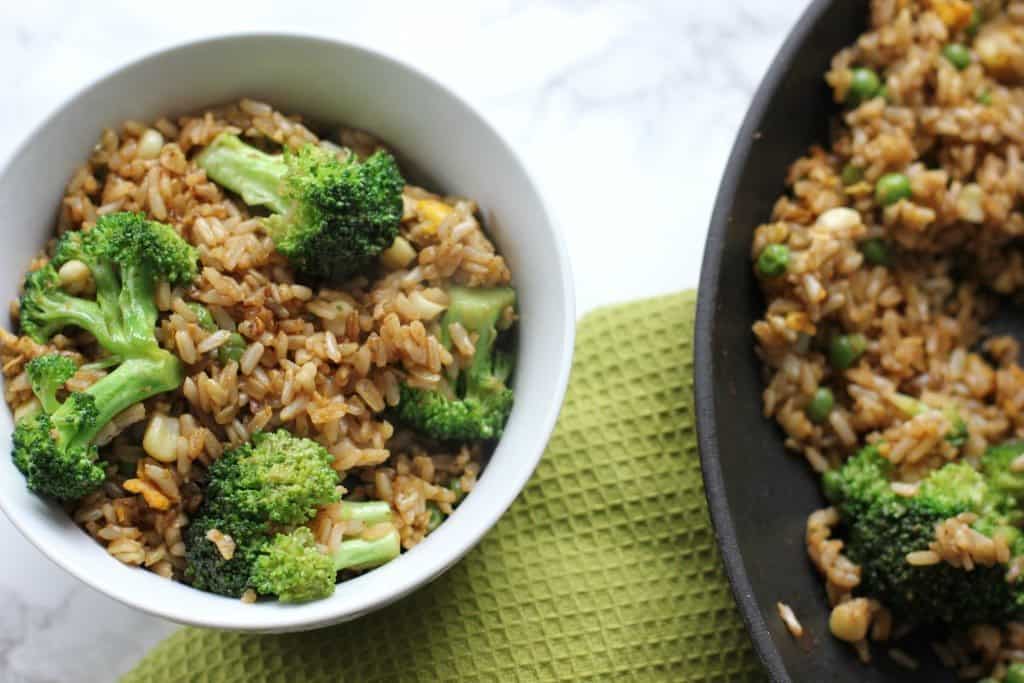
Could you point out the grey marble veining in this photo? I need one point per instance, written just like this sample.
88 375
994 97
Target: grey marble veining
624 111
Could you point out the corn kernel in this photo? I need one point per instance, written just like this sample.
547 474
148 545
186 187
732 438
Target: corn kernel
432 212
399 255
161 438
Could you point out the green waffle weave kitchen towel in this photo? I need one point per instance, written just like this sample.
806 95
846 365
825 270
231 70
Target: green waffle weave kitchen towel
605 568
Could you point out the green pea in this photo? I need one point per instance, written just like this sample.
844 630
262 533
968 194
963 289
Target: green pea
204 319
832 486
773 260
845 349
436 516
1015 674
864 84
891 188
232 349
456 487
851 174
883 92
957 55
820 405
976 20
876 251
984 97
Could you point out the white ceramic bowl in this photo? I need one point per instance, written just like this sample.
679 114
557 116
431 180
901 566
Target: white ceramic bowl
433 131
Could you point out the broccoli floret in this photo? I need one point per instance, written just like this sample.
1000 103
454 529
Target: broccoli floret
882 528
291 567
47 375
997 465
476 402
331 217
256 493
45 309
207 568
126 255
276 477
54 453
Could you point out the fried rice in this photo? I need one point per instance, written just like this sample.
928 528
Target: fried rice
954 252
323 362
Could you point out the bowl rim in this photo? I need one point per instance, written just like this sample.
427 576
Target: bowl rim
316 614
707 297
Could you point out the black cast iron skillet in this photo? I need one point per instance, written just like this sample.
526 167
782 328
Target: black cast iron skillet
759 494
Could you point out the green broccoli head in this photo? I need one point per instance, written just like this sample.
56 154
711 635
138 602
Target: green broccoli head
434 413
130 240
331 217
56 463
291 567
55 448
957 487
277 477
207 569
997 465
46 309
257 492
126 255
47 374
477 401
882 528
261 494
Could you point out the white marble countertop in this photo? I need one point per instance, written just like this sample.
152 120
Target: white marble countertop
625 112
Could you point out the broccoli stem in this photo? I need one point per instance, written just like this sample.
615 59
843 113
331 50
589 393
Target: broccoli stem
370 512
138 306
64 310
478 310
362 554
108 290
255 175
135 380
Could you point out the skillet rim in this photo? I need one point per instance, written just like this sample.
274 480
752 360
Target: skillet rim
707 298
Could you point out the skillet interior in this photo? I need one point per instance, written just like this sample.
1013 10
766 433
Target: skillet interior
759 494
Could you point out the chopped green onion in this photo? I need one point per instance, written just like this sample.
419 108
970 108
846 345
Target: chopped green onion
232 349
